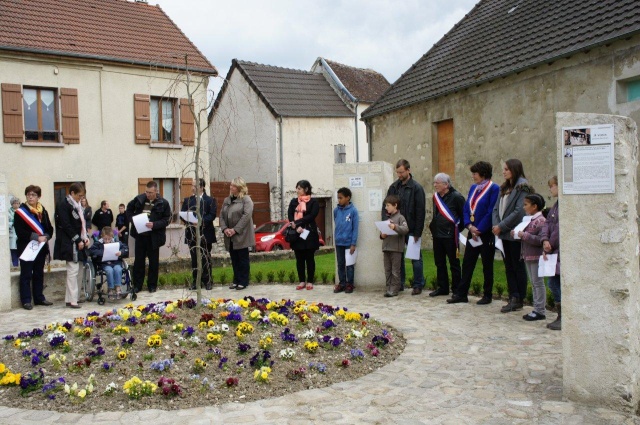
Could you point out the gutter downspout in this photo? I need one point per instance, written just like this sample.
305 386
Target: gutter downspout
282 217
349 96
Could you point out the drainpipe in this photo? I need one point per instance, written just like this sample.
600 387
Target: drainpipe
356 127
281 171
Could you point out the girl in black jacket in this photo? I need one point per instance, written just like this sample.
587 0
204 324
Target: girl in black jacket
302 214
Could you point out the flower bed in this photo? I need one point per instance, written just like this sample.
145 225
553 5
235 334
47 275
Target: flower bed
175 355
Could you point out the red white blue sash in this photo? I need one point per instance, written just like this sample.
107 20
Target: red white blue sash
446 213
30 219
477 196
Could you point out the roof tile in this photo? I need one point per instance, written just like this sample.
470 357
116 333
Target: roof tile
366 85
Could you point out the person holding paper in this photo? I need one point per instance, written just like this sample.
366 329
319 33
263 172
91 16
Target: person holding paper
208 210
413 208
112 268
507 214
148 243
302 214
448 206
393 245
483 194
236 223
72 241
550 236
345 219
531 251
31 223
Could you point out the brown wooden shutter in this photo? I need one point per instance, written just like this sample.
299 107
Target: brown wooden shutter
187 131
70 116
185 188
142 184
12 113
142 112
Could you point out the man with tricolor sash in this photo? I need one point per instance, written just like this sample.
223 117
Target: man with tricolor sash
448 206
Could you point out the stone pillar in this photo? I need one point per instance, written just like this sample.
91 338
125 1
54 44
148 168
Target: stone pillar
369 183
600 278
5 254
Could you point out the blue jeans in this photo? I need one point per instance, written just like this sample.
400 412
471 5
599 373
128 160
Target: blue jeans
554 286
345 273
418 271
114 275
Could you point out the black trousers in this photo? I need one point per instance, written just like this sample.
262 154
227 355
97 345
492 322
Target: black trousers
32 278
144 250
487 252
240 264
205 253
444 248
306 257
515 269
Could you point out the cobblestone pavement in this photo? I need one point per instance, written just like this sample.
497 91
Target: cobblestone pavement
463 364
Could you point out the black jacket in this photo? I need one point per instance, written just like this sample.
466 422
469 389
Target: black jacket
97 251
208 209
26 234
122 221
308 221
68 233
102 218
441 227
160 216
412 204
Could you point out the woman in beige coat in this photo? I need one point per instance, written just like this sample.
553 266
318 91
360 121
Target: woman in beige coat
236 223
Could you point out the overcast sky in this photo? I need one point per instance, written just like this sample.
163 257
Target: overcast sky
384 35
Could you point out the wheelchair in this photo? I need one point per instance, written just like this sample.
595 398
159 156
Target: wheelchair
94 279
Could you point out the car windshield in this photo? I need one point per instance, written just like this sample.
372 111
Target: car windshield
269 228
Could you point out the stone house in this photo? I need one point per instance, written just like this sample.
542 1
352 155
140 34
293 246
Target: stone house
90 93
490 88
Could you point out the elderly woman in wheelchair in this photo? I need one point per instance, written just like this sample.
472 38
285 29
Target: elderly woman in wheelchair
112 268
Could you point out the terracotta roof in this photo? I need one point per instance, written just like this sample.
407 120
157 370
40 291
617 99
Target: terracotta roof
366 85
500 37
289 92
108 30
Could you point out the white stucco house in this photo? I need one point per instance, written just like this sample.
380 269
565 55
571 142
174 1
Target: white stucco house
91 92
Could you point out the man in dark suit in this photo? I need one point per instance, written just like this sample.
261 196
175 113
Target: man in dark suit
148 243
103 217
208 209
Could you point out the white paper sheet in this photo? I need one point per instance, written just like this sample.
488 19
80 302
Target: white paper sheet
350 259
140 222
383 226
304 234
31 251
520 227
188 216
462 238
547 267
110 250
499 245
413 249
475 242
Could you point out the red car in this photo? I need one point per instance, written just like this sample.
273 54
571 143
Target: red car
270 236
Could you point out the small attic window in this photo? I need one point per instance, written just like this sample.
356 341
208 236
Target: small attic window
628 90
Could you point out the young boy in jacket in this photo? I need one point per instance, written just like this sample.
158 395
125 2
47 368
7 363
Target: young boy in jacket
113 269
393 245
345 217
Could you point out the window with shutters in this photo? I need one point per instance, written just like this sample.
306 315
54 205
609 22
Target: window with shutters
40 111
162 120
168 189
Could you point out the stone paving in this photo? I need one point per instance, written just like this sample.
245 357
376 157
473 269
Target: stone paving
463 364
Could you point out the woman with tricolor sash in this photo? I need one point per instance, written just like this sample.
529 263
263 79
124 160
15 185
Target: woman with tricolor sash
32 223
477 220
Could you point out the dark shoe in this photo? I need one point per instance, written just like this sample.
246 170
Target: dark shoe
240 287
208 286
534 315
513 305
81 300
45 302
349 289
73 305
27 306
455 299
416 291
152 290
338 288
233 286
556 325
484 300
390 294
402 287
438 292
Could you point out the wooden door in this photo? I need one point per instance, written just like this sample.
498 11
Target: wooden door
320 219
445 148
260 195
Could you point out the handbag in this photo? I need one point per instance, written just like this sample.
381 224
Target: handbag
291 235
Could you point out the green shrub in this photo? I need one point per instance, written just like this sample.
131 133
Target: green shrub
529 296
433 282
500 289
271 277
223 278
292 276
162 280
550 301
333 277
476 288
410 281
259 277
281 275
324 276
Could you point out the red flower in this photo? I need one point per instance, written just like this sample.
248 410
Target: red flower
231 382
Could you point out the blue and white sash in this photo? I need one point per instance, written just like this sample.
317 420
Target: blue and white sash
30 219
446 213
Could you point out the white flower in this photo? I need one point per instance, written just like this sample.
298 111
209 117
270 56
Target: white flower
287 353
67 389
225 327
215 328
309 334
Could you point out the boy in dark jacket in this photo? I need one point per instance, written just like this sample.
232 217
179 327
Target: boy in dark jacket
345 219
113 269
122 225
